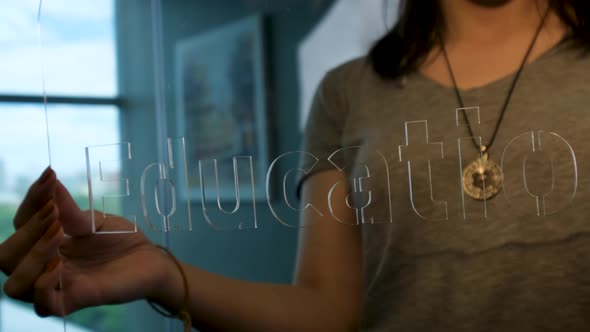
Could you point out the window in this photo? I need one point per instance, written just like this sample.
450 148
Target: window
76 53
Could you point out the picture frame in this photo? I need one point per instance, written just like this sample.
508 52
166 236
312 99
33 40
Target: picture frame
221 111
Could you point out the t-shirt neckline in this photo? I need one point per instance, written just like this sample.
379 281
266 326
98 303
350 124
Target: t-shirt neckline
501 80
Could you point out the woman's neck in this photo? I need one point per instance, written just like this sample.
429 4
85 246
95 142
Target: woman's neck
466 21
485 44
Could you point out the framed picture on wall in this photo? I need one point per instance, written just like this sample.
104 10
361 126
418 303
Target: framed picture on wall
221 110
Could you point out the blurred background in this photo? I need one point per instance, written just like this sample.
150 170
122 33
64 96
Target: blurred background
149 101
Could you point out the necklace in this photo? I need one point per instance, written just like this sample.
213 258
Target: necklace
482 178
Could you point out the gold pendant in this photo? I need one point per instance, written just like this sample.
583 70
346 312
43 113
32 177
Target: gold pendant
482 178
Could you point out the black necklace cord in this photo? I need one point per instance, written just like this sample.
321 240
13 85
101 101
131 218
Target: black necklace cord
485 147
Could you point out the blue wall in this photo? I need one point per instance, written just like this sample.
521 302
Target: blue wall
268 253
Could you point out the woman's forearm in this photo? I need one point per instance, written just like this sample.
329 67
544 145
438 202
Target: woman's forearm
225 304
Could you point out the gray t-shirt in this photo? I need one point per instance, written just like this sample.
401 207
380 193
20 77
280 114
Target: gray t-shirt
436 259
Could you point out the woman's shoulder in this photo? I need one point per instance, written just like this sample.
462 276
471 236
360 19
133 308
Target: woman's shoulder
350 75
566 64
568 54
357 64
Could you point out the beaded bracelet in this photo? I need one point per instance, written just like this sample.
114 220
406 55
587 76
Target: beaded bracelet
183 314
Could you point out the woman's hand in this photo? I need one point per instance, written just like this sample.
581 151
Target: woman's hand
55 261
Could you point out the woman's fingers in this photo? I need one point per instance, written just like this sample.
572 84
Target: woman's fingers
75 221
16 247
38 194
20 284
47 296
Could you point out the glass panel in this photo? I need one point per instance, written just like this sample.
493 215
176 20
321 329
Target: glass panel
23 129
213 100
78 54
225 107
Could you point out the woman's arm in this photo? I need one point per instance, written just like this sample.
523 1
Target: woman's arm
115 268
326 295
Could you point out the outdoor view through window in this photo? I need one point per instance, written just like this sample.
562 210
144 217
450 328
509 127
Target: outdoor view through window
77 57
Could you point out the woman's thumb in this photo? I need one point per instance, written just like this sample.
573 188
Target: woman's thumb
74 221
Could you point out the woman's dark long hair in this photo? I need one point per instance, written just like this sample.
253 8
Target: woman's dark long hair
404 48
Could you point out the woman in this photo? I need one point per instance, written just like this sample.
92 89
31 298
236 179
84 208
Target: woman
426 258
